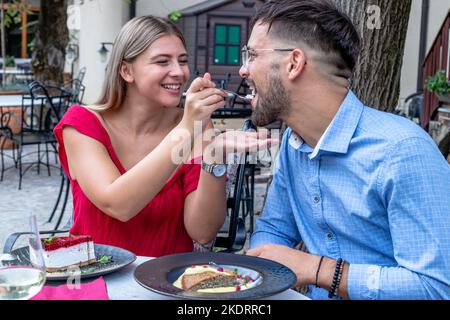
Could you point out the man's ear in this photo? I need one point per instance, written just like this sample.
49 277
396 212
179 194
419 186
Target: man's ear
126 71
297 61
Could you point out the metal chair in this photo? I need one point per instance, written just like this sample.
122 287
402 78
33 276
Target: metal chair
76 88
236 108
42 109
239 206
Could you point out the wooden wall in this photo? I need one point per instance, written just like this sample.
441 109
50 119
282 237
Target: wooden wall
199 34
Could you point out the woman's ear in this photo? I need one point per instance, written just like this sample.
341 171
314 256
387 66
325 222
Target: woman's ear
297 61
126 71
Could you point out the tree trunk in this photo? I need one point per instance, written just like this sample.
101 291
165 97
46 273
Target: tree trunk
51 40
382 25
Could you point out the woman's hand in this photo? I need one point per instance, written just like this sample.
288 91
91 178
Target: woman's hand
235 142
202 99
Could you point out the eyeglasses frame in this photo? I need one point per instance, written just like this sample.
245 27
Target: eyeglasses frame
245 56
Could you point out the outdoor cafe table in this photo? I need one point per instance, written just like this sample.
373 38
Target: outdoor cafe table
122 286
13 100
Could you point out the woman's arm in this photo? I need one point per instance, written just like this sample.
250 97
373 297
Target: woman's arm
123 196
205 208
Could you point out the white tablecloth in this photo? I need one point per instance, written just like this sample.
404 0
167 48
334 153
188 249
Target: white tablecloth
122 286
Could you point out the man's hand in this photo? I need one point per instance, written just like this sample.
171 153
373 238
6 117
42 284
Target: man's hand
304 265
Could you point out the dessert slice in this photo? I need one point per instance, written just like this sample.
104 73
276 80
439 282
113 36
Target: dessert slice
207 278
61 253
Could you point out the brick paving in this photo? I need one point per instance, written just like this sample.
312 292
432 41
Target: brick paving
39 193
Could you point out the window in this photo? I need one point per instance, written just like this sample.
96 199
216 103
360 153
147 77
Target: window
227 43
19 34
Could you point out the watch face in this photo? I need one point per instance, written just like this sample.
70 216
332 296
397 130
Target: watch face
219 170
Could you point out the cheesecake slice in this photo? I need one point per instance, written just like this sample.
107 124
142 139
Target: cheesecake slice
61 253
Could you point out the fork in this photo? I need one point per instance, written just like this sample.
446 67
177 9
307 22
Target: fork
247 98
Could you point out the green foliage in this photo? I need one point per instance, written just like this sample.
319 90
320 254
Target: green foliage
13 13
174 16
438 83
9 61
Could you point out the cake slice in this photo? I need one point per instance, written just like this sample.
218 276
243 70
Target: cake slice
206 278
61 253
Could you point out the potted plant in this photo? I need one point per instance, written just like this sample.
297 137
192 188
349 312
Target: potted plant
439 85
10 62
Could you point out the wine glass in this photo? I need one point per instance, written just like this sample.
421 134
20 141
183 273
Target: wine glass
22 271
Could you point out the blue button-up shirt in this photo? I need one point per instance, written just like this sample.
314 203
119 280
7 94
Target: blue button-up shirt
376 192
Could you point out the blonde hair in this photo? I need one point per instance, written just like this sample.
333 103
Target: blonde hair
133 39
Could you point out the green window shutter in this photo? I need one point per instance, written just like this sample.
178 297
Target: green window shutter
234 35
233 55
221 34
219 54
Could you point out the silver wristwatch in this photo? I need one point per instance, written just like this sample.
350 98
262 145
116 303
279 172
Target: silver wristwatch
217 170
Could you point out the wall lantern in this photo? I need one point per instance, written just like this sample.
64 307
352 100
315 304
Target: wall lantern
104 51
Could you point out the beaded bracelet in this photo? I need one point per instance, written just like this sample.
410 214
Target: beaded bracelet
336 278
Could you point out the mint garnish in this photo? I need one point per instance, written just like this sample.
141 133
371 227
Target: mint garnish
49 240
104 259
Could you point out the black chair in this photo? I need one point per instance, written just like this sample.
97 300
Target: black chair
81 74
222 82
12 238
237 107
6 134
239 206
42 109
61 201
76 89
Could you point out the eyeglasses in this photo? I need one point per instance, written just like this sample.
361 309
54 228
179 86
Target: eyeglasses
247 54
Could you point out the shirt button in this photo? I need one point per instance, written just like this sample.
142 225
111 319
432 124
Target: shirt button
330 236
316 199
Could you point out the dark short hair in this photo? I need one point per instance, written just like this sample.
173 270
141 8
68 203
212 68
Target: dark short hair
318 23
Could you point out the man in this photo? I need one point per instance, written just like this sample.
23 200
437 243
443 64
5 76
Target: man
366 191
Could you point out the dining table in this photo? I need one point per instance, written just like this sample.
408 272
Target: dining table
121 285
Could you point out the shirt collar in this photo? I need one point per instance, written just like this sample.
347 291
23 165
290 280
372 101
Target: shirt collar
339 132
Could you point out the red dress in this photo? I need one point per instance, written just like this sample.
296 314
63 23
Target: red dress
155 231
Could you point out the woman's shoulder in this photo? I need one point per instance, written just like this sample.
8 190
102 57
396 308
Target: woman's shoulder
84 120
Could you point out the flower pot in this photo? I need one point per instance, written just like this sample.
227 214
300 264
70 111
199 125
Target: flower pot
445 98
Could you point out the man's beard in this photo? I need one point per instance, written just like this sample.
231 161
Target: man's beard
273 103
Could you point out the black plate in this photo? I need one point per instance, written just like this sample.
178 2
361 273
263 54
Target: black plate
119 259
159 274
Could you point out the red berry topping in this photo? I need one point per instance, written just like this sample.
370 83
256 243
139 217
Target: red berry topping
238 288
220 269
55 243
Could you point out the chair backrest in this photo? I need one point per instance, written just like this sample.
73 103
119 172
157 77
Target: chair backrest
243 89
222 82
236 107
81 74
43 107
239 205
76 88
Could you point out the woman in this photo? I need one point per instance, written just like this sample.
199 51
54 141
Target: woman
118 154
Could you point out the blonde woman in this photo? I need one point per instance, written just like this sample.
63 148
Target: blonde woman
118 154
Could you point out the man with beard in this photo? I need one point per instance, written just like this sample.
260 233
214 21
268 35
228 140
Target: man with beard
366 191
